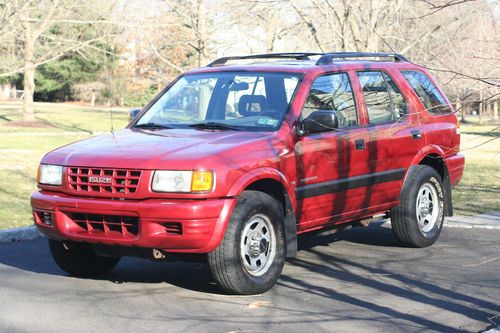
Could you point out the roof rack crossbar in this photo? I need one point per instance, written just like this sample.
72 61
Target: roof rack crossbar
289 55
328 58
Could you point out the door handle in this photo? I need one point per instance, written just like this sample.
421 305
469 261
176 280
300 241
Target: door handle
359 144
416 134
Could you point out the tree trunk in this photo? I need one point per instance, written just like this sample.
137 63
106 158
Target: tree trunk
29 75
29 89
459 108
202 33
481 106
495 110
92 99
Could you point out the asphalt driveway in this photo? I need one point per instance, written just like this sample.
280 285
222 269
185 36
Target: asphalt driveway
355 281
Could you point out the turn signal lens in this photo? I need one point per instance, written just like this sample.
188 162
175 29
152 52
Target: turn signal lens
202 181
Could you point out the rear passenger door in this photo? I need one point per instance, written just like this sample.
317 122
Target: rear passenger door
393 140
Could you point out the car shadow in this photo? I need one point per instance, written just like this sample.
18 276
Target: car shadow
376 234
34 256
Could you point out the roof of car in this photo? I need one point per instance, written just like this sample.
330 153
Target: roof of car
301 62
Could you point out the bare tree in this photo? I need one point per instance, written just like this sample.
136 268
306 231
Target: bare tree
49 29
195 23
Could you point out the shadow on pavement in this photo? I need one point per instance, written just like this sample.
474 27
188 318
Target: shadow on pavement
321 271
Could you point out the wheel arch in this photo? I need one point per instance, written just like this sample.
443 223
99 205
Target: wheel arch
434 158
274 183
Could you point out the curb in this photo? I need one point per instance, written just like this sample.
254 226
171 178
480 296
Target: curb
490 220
19 234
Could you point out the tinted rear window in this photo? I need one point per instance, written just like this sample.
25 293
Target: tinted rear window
428 93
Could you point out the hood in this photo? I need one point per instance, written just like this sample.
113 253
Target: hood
145 149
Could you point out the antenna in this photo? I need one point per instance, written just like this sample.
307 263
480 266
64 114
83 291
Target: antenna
110 91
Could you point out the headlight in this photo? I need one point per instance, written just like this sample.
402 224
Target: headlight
182 181
50 174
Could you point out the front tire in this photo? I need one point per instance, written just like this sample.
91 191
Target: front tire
251 256
79 259
418 220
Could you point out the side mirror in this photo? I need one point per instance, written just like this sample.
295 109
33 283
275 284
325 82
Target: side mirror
320 121
132 114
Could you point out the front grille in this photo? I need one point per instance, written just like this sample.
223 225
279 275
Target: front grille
100 180
126 226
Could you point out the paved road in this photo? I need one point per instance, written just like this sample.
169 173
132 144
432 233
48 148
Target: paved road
354 281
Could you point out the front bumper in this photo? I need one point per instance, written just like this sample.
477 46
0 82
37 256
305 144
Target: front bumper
202 222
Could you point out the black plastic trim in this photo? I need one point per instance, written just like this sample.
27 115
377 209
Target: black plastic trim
344 184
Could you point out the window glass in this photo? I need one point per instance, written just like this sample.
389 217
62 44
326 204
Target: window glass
332 92
252 86
378 101
245 101
398 100
428 93
290 85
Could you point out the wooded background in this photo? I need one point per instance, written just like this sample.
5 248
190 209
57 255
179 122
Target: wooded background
121 52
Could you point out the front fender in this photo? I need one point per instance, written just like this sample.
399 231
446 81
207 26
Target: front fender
258 174
289 219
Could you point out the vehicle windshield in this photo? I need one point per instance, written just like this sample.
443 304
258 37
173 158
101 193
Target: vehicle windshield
225 101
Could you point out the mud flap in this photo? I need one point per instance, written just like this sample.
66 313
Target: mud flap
448 205
290 229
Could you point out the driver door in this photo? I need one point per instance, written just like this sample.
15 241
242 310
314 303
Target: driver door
330 163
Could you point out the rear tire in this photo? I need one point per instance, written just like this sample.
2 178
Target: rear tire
418 220
79 259
251 256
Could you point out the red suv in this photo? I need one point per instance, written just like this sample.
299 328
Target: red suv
231 162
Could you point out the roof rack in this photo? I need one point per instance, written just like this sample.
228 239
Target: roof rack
328 58
289 55
325 59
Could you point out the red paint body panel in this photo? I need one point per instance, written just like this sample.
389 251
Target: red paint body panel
239 159
203 221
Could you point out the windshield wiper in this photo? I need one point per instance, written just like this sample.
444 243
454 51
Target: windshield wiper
214 125
152 126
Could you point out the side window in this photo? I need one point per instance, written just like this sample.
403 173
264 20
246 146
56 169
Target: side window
383 99
332 92
398 100
427 92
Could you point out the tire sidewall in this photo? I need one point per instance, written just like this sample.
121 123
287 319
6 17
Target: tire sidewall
431 177
245 210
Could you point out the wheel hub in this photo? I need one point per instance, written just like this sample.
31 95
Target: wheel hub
258 245
427 199
426 208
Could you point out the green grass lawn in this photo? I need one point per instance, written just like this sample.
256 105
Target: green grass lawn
479 190
21 149
60 117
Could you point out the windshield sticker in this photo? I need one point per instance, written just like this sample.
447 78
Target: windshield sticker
267 122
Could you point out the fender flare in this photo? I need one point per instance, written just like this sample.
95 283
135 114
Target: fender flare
434 150
290 222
